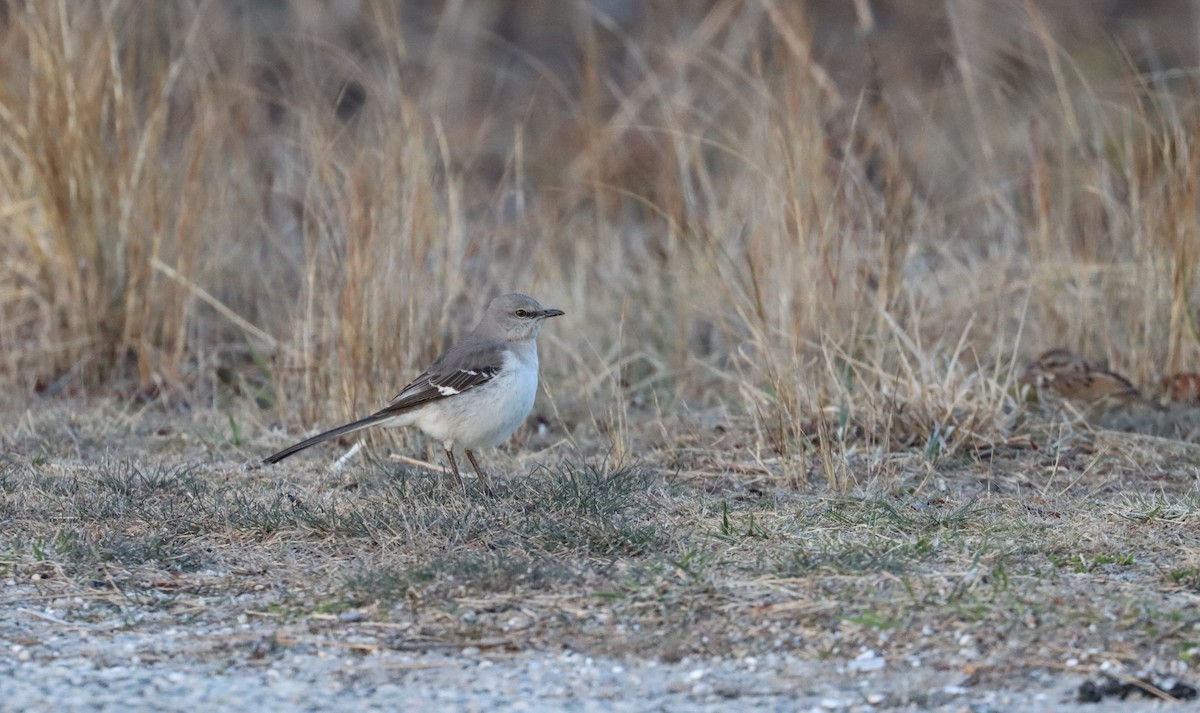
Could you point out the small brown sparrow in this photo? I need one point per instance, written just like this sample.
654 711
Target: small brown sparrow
1183 388
1075 379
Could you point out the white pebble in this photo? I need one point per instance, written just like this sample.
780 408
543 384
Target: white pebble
867 661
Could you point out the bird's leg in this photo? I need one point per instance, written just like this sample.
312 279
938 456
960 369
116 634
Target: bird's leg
454 468
479 471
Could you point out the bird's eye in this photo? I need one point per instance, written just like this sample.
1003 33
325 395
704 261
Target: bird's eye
521 313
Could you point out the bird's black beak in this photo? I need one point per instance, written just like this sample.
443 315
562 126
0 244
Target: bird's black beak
552 313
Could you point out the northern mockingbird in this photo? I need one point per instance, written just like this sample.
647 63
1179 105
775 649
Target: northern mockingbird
476 394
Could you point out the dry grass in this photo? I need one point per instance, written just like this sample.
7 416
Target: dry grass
798 272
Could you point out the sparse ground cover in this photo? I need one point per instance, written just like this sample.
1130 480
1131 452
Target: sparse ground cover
1032 567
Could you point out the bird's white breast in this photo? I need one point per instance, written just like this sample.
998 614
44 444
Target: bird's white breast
489 414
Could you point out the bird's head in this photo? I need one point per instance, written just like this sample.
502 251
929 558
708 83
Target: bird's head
516 316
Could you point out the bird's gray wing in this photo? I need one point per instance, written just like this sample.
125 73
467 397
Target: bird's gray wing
464 367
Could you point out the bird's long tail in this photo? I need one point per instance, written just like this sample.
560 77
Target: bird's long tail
332 433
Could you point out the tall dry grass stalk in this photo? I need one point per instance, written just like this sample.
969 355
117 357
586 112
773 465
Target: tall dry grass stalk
799 231
119 155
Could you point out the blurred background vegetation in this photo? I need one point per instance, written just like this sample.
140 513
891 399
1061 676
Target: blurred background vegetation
863 212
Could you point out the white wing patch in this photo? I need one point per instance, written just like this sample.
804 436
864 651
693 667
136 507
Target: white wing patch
460 380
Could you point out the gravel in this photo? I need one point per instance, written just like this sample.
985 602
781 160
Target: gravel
57 658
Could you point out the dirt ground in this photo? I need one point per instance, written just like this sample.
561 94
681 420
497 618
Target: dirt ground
1055 558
